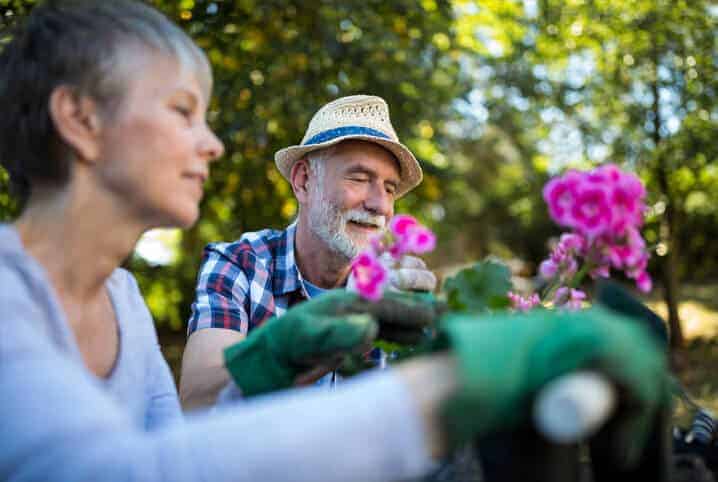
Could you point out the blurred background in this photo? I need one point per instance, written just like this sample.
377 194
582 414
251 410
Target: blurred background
494 97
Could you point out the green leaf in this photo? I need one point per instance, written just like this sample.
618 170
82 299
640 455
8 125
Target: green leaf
481 288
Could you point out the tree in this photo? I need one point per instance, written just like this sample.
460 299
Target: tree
627 82
275 63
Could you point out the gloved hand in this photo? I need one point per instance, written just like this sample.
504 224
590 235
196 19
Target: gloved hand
321 330
503 361
617 298
412 275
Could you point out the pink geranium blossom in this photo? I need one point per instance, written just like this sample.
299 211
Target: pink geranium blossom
644 282
591 211
401 224
420 240
523 303
559 194
548 269
370 268
569 298
604 209
370 275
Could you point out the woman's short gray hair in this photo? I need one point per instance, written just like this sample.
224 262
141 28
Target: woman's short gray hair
88 45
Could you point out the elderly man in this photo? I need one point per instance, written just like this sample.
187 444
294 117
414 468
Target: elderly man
346 175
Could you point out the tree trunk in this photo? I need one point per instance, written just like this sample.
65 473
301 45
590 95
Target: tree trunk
669 267
671 280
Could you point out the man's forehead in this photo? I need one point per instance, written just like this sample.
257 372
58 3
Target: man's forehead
356 154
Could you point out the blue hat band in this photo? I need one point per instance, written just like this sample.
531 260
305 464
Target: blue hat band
332 134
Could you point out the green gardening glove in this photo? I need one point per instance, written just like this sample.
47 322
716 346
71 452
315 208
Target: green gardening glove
403 317
503 361
318 332
615 297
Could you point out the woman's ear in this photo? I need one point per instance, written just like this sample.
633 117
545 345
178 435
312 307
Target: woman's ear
299 179
77 121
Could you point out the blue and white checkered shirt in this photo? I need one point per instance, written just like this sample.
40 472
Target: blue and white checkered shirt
244 283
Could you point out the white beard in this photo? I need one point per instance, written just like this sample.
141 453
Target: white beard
329 223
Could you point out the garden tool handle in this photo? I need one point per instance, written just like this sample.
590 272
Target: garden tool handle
574 407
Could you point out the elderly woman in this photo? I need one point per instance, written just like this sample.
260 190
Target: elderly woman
103 133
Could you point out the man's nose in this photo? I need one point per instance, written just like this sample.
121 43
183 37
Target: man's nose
379 201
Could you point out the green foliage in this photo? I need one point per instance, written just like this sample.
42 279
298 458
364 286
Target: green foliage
493 96
480 288
275 63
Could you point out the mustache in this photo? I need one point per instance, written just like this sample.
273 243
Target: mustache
364 217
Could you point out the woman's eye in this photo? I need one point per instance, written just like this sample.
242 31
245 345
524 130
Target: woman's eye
183 111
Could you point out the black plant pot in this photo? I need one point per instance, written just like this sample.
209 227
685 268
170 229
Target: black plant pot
523 455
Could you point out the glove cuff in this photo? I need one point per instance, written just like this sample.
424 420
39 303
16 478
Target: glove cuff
253 367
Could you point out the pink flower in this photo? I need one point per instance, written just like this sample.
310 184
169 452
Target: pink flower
401 223
644 282
569 298
399 248
548 269
370 269
370 275
410 236
604 208
628 251
607 173
523 303
568 268
627 204
562 260
420 240
591 211
560 193
573 242
602 271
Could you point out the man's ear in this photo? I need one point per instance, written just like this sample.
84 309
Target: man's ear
299 178
77 121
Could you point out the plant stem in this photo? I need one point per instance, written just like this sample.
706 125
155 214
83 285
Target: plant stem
578 277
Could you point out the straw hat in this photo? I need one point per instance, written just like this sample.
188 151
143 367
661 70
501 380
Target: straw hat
363 117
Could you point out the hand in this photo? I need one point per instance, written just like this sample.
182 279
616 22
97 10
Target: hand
402 317
503 361
318 332
412 275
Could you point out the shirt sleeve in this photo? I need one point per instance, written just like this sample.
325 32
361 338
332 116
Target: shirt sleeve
58 424
221 295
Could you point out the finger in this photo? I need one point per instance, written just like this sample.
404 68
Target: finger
403 309
406 279
319 337
335 358
412 262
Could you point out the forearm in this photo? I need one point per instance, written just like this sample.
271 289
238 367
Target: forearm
200 386
368 431
203 373
431 381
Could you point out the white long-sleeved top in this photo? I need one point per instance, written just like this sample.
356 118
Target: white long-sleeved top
59 422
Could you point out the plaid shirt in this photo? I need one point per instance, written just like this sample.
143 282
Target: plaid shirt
244 283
